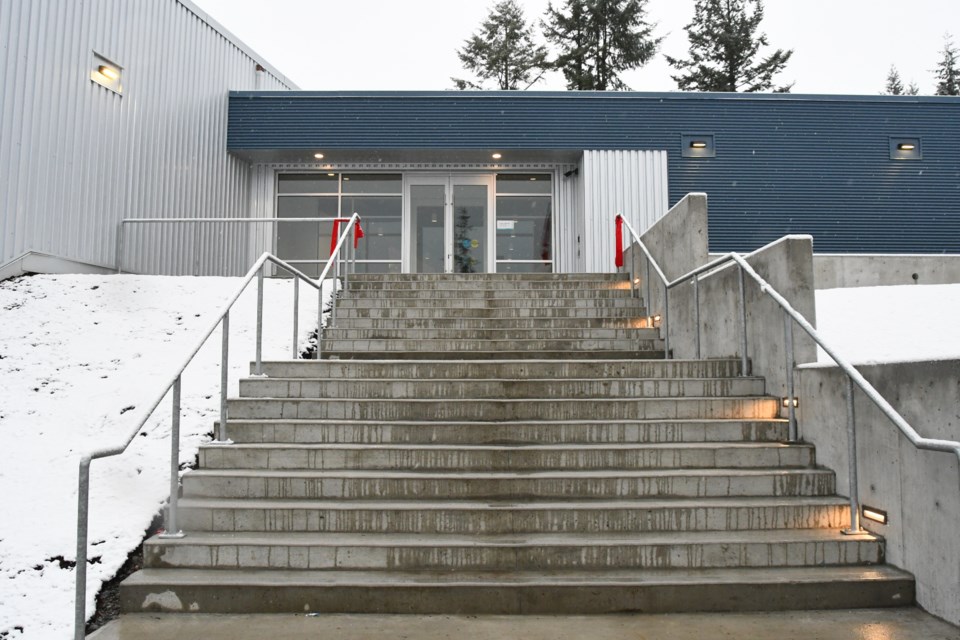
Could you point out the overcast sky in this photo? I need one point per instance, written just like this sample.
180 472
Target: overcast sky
840 46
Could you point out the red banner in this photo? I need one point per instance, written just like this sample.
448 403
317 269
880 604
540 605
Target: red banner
619 255
357 233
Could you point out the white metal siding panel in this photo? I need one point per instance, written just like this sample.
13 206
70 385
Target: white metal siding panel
75 157
631 183
568 229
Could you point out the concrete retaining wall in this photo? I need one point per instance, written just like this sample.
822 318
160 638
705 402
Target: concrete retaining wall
678 242
920 490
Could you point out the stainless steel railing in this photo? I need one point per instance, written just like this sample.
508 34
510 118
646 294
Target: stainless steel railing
791 316
339 262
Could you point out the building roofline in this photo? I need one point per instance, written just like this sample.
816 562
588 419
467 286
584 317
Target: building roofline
605 95
239 44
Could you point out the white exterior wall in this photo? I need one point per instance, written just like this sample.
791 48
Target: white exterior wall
76 158
631 183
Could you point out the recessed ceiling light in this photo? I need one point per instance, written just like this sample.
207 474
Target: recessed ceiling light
318 156
332 175
497 156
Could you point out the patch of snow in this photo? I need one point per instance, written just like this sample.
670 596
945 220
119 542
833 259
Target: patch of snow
80 357
875 325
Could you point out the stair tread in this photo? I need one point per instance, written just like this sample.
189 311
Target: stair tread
608 421
507 505
653 446
507 475
337 578
430 540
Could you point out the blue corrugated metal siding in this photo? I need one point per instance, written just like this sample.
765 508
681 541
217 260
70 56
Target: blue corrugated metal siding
785 164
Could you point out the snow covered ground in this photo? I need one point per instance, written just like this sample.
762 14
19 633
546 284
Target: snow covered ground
80 358
890 324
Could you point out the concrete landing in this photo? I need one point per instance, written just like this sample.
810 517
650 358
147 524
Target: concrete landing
867 624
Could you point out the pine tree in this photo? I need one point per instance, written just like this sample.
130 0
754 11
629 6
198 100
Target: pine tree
912 89
598 40
947 71
503 50
724 49
894 84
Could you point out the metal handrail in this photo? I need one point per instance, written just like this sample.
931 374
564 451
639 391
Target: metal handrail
174 383
854 377
121 231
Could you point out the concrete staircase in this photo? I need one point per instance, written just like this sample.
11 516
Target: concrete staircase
507 444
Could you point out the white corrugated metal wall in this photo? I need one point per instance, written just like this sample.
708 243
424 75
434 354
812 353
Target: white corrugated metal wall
76 157
631 183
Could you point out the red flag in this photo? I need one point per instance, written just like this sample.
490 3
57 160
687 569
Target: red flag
357 234
335 236
619 256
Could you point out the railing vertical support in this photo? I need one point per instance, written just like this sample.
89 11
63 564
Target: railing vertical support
196 248
119 261
319 318
224 361
852 463
170 527
333 296
791 394
646 283
633 276
80 599
296 316
696 310
744 363
666 321
259 369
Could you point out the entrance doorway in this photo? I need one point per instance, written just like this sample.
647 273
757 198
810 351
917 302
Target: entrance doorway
448 221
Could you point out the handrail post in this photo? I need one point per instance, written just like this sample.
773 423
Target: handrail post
346 264
852 464
336 281
196 248
224 360
170 528
646 282
788 349
319 318
259 369
119 261
80 599
696 309
296 315
744 364
666 321
633 284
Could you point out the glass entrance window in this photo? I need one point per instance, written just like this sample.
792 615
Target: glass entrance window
427 211
469 228
524 223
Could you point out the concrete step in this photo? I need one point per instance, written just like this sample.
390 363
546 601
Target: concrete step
574 483
453 353
552 592
498 388
463 458
344 322
495 410
532 552
491 292
425 312
513 516
470 279
428 346
345 332
504 432
509 369
354 286
526 302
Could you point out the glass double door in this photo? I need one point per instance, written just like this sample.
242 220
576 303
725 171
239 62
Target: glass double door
449 226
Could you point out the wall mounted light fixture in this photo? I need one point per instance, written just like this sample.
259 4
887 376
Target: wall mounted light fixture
877 515
905 148
698 145
105 73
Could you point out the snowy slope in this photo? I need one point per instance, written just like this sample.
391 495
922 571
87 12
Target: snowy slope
80 356
890 324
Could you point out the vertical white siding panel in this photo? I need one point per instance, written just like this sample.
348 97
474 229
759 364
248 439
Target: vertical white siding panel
75 157
632 183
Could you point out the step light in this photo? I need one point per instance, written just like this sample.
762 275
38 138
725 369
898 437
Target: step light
108 72
903 146
877 515
785 402
698 144
318 156
497 156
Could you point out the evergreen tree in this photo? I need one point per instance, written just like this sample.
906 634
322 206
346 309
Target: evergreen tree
503 50
724 50
947 71
599 39
912 89
894 84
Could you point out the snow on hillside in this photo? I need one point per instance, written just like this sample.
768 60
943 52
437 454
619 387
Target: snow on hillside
890 324
80 358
